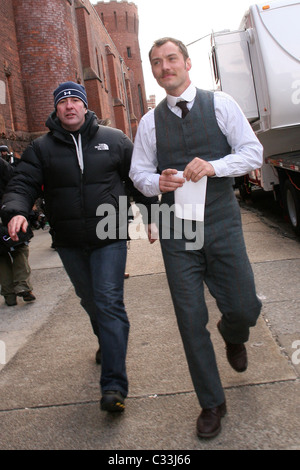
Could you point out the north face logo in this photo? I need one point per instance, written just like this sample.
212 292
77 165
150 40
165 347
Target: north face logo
102 147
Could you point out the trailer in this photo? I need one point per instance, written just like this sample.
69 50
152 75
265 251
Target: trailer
259 66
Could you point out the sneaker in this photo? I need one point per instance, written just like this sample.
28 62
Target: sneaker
10 300
27 296
112 400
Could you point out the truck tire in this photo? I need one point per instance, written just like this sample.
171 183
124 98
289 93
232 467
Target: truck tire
241 183
292 205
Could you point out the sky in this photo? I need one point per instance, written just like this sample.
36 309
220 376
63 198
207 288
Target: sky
187 20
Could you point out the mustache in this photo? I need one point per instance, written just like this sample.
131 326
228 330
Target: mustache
167 74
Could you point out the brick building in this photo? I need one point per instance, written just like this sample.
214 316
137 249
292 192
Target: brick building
151 102
48 42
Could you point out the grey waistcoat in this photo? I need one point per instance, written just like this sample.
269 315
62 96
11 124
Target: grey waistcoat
198 135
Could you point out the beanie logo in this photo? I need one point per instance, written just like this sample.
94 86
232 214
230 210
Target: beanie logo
70 89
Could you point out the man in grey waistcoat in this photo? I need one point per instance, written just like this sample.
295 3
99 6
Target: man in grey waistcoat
206 136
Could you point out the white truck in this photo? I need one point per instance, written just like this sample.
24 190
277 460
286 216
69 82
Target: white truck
259 65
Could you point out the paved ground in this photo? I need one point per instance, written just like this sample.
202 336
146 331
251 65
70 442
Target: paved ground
49 382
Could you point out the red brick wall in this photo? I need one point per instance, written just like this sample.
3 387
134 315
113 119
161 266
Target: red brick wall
13 119
49 53
102 70
122 22
44 43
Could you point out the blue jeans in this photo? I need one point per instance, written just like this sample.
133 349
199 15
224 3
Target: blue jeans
98 279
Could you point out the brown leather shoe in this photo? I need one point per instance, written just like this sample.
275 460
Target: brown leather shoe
209 421
27 296
236 354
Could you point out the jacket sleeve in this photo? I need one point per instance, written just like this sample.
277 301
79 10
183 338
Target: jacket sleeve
24 187
147 205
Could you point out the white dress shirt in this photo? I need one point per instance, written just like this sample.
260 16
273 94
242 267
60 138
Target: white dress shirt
247 151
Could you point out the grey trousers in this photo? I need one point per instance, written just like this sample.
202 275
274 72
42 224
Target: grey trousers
223 265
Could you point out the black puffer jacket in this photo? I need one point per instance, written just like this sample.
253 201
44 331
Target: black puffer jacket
72 196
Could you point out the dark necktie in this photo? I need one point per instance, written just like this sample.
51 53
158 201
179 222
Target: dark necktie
182 105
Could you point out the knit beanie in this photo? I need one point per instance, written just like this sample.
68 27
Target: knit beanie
69 89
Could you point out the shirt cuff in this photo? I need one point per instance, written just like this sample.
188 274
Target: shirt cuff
220 168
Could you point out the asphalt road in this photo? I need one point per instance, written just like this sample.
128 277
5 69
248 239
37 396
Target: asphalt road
271 212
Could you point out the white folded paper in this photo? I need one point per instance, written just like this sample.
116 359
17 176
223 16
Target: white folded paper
190 199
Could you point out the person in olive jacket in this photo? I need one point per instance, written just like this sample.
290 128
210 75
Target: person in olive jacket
83 170
15 271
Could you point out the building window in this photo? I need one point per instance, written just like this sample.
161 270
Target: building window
2 92
10 101
129 55
141 100
98 65
104 74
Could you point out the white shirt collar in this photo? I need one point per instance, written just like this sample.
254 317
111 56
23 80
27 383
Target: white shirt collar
188 95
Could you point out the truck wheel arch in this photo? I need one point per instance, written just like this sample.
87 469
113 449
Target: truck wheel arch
292 205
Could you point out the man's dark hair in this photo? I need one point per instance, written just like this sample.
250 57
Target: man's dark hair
162 41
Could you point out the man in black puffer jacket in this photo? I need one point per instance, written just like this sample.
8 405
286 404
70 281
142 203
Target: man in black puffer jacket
83 170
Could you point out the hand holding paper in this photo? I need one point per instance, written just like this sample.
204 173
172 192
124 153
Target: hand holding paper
197 168
170 180
190 199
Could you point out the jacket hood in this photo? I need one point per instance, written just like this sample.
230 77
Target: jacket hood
87 130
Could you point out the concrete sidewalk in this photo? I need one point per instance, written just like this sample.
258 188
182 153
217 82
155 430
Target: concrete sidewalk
50 383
